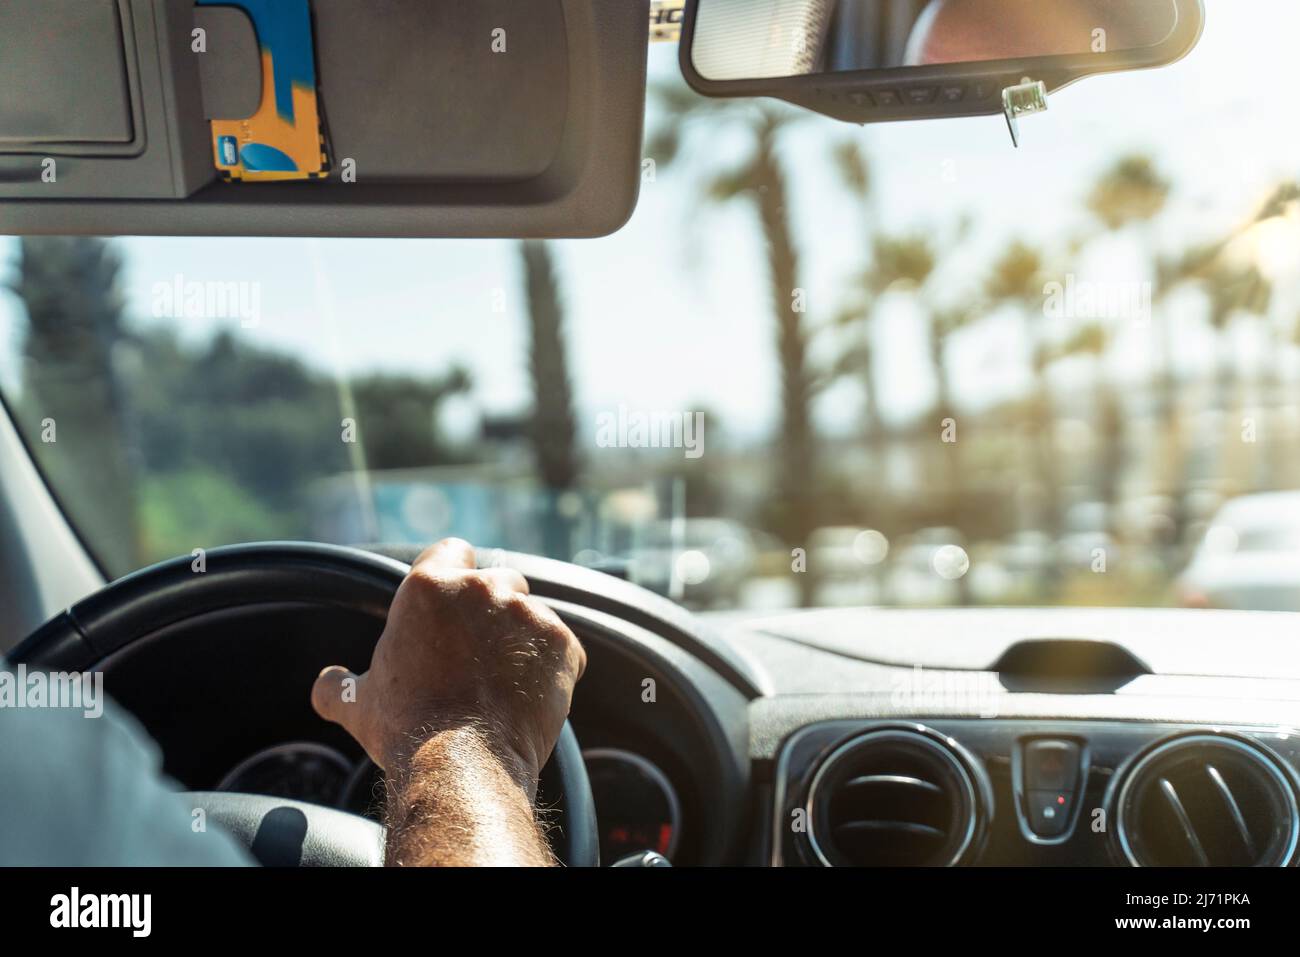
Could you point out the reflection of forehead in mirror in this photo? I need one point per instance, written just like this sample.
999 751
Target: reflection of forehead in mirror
756 39
966 31
749 39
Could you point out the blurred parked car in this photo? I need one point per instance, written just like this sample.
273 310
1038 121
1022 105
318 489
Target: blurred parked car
914 580
701 562
847 561
1249 557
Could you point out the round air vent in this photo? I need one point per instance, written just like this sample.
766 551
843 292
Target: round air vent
893 797
1206 800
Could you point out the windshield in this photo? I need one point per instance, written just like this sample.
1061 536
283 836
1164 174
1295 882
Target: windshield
822 365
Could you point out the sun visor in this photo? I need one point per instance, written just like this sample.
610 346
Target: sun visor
420 118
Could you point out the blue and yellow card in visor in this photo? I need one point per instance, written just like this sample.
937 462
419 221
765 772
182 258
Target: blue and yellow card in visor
283 139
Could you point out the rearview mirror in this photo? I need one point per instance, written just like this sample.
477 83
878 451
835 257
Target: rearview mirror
879 60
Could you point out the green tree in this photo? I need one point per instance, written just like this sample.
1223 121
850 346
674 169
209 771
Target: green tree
399 417
231 437
69 287
262 420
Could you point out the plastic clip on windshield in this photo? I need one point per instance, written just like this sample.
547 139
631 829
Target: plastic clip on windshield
1025 99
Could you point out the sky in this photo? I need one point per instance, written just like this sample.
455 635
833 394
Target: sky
672 313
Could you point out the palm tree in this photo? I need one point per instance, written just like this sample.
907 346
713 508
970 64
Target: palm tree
1281 208
692 124
1095 339
1017 279
1131 190
1131 194
1232 289
1283 205
906 264
857 359
553 430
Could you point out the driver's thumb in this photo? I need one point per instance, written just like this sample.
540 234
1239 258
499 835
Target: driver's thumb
334 695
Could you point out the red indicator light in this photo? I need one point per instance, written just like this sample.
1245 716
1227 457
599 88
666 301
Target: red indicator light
665 838
1060 800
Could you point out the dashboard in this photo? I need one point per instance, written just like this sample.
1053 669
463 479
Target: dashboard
1002 750
663 728
1027 737
637 805
301 771
1036 793
1030 737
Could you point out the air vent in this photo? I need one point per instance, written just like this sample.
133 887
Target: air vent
1206 801
893 797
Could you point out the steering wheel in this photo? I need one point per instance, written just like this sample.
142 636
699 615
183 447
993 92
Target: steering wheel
157 602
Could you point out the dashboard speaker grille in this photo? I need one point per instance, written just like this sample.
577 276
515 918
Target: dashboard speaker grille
1206 801
892 797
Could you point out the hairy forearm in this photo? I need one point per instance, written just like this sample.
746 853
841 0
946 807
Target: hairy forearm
457 801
